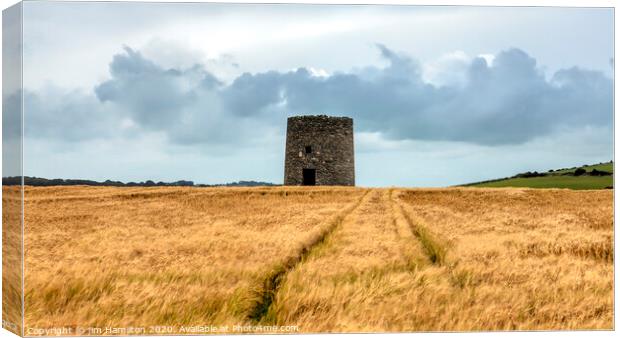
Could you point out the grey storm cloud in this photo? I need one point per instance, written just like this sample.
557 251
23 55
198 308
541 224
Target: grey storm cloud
11 118
507 102
154 97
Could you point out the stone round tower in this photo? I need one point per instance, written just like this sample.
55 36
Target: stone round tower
319 151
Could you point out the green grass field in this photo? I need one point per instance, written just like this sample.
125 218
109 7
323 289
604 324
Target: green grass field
603 167
570 182
556 179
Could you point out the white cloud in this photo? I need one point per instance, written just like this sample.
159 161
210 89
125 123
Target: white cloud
489 58
318 72
448 70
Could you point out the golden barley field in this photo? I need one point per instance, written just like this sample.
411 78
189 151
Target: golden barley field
322 259
11 259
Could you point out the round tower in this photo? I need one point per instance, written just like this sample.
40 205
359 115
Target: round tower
319 151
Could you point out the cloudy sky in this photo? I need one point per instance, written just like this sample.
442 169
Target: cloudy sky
439 95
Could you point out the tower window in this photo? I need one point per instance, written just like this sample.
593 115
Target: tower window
308 149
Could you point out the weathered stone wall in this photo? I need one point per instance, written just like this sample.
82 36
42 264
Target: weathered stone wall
332 153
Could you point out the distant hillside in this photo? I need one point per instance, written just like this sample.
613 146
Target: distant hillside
594 176
44 182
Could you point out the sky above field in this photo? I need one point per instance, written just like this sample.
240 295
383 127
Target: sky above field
439 95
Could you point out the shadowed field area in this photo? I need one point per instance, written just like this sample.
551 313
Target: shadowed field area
326 259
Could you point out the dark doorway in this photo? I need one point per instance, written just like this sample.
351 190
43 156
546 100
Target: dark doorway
309 176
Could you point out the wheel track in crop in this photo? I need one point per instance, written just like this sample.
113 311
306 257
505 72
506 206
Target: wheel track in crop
269 285
434 248
426 249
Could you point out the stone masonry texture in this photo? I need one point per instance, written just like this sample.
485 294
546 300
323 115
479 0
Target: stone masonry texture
323 143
